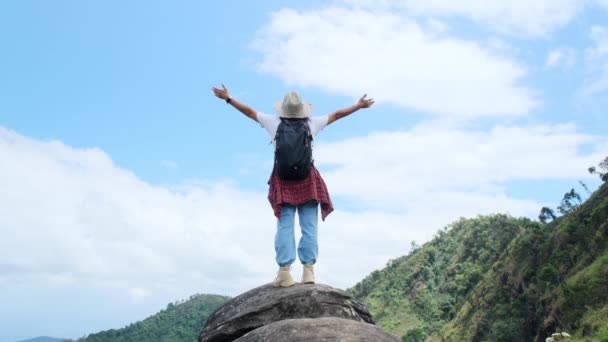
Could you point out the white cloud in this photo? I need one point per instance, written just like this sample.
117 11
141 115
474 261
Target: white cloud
72 211
514 17
561 57
70 217
597 60
401 170
395 59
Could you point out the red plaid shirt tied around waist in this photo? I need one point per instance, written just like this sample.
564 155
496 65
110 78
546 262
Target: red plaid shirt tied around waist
299 192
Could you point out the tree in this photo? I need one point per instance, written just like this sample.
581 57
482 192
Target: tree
585 187
567 205
414 246
545 214
415 335
603 165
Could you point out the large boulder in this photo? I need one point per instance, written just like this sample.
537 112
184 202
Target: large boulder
319 330
266 304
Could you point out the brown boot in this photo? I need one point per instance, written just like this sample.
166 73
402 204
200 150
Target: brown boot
283 278
308 275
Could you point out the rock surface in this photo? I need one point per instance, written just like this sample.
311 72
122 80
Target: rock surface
319 330
266 304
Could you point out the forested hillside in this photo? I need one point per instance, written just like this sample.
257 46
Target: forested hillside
499 278
179 322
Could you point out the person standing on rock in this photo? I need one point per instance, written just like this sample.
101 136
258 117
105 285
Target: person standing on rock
295 184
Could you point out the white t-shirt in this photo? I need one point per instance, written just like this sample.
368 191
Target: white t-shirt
271 124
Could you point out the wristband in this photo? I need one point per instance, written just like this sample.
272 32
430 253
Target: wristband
228 100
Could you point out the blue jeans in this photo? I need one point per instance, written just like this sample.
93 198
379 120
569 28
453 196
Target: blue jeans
284 240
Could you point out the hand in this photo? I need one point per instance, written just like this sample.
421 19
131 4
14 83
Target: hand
221 93
365 103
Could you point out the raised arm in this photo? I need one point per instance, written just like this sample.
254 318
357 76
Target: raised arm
241 107
339 114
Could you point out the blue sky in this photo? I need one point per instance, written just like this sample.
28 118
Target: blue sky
126 185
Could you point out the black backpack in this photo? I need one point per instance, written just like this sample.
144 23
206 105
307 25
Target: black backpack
293 152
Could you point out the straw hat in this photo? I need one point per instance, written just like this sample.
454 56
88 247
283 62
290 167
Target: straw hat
292 107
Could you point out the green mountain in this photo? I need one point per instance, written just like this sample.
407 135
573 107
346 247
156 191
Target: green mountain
181 321
499 278
43 339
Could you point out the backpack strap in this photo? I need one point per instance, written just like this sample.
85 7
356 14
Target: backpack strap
276 134
306 124
308 128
